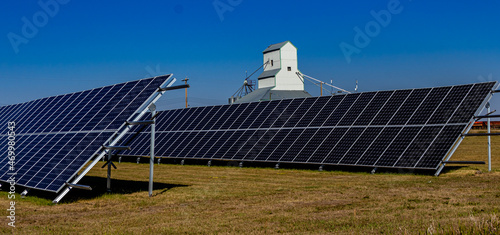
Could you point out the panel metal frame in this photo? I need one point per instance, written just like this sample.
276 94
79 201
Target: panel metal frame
466 130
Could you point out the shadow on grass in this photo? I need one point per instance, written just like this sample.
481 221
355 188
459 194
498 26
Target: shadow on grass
448 169
282 165
98 185
452 169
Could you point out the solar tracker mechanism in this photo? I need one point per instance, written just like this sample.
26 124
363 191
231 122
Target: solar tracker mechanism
56 137
402 129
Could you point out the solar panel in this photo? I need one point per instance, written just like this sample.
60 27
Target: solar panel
57 136
412 128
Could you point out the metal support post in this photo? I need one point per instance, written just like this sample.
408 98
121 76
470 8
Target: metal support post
152 108
489 139
108 184
109 150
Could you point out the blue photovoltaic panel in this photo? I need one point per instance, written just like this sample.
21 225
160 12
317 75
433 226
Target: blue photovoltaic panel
56 136
414 128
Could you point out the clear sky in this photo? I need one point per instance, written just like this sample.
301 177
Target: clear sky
54 47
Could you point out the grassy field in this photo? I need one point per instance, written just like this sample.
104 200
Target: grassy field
201 199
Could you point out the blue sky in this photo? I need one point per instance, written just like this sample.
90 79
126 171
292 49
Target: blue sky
81 45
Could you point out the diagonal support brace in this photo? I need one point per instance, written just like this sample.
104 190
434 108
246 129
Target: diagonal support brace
109 162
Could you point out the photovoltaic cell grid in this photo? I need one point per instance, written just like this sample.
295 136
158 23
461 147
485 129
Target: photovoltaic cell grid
56 136
397 129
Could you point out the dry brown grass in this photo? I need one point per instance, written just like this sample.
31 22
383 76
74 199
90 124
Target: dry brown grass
200 199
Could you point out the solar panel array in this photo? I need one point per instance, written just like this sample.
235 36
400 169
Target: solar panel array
56 136
412 128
